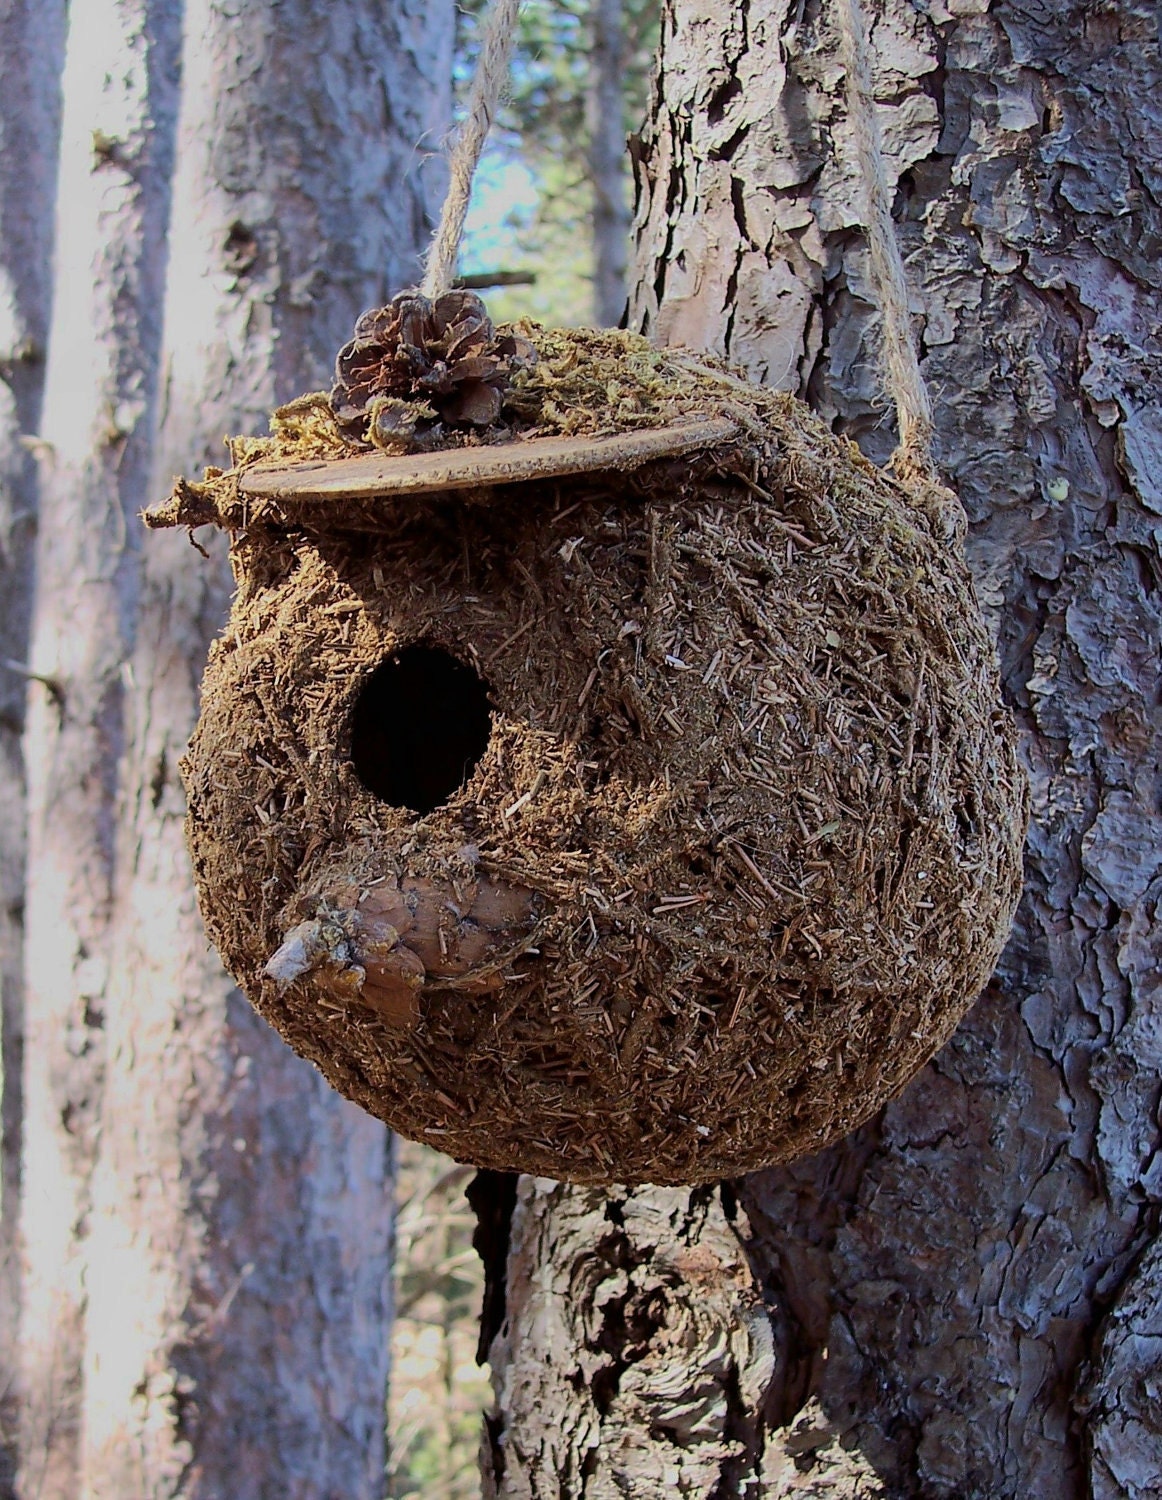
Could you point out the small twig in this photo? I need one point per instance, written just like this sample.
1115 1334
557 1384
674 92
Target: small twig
480 281
53 685
754 870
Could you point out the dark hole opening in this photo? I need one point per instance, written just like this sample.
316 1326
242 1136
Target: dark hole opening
419 729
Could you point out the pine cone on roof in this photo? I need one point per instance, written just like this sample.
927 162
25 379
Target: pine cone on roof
417 361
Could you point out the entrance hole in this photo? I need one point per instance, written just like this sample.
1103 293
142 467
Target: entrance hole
419 729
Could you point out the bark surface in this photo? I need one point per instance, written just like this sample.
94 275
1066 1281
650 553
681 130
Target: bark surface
964 1297
247 1206
635 1348
31 55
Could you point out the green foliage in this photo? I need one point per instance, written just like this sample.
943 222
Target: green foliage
544 114
543 126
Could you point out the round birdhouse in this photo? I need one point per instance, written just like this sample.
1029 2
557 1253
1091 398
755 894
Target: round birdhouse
602 772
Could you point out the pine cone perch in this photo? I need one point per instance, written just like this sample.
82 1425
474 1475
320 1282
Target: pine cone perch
416 362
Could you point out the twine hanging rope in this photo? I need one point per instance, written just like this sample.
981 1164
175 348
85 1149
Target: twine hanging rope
487 86
898 356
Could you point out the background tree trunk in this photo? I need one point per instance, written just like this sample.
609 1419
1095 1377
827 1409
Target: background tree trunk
31 56
965 1296
210 1228
605 112
246 1204
120 101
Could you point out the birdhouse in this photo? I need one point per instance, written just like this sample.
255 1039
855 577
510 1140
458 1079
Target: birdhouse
602 772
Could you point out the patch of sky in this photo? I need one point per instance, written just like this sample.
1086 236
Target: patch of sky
520 219
503 207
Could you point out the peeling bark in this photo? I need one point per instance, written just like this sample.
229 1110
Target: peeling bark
238 1315
1122 1405
31 55
950 1289
636 1348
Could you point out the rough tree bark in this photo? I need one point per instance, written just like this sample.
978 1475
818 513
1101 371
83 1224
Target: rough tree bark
31 55
965 1298
605 121
633 1345
210 1228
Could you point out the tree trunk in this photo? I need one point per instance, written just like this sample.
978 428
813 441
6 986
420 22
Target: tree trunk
964 1296
211 1302
635 1347
120 97
248 1207
605 109
31 55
